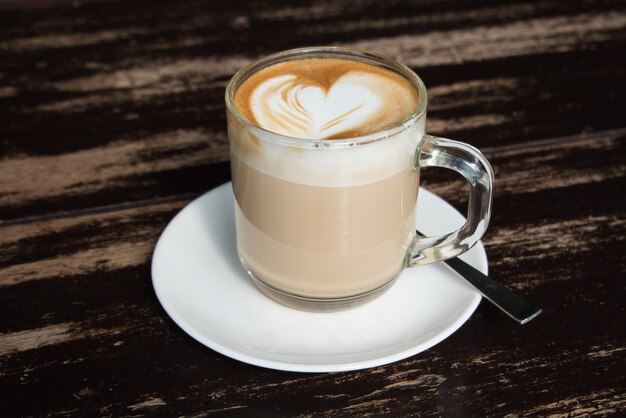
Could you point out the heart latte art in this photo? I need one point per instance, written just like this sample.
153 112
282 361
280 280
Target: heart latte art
325 99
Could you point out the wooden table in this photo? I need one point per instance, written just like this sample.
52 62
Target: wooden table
112 119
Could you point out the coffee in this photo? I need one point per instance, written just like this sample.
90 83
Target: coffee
326 149
319 241
323 221
325 98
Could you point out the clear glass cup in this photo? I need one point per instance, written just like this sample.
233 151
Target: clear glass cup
326 224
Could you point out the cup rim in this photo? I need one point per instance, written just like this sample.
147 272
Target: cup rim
292 54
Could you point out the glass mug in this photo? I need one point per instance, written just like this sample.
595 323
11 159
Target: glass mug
326 224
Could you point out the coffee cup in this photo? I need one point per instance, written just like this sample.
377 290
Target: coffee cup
326 148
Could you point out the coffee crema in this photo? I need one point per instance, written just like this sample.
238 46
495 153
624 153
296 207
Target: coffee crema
325 98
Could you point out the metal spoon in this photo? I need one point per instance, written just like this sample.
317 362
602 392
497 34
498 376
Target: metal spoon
510 303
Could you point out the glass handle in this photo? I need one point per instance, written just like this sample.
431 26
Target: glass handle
469 162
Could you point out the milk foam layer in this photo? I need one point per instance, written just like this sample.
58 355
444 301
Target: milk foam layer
325 166
325 98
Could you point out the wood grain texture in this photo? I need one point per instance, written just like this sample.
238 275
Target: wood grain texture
112 119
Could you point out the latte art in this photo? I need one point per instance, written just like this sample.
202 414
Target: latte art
285 105
325 99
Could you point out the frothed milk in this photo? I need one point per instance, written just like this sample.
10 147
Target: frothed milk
323 219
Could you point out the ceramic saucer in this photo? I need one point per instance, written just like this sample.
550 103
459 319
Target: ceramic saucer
201 284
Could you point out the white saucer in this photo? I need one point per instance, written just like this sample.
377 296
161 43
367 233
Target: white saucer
201 284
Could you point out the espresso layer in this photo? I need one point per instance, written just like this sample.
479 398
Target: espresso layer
326 98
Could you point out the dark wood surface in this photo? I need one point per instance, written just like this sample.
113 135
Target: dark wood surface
112 119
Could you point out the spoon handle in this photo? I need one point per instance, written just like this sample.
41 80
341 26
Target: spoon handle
510 303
